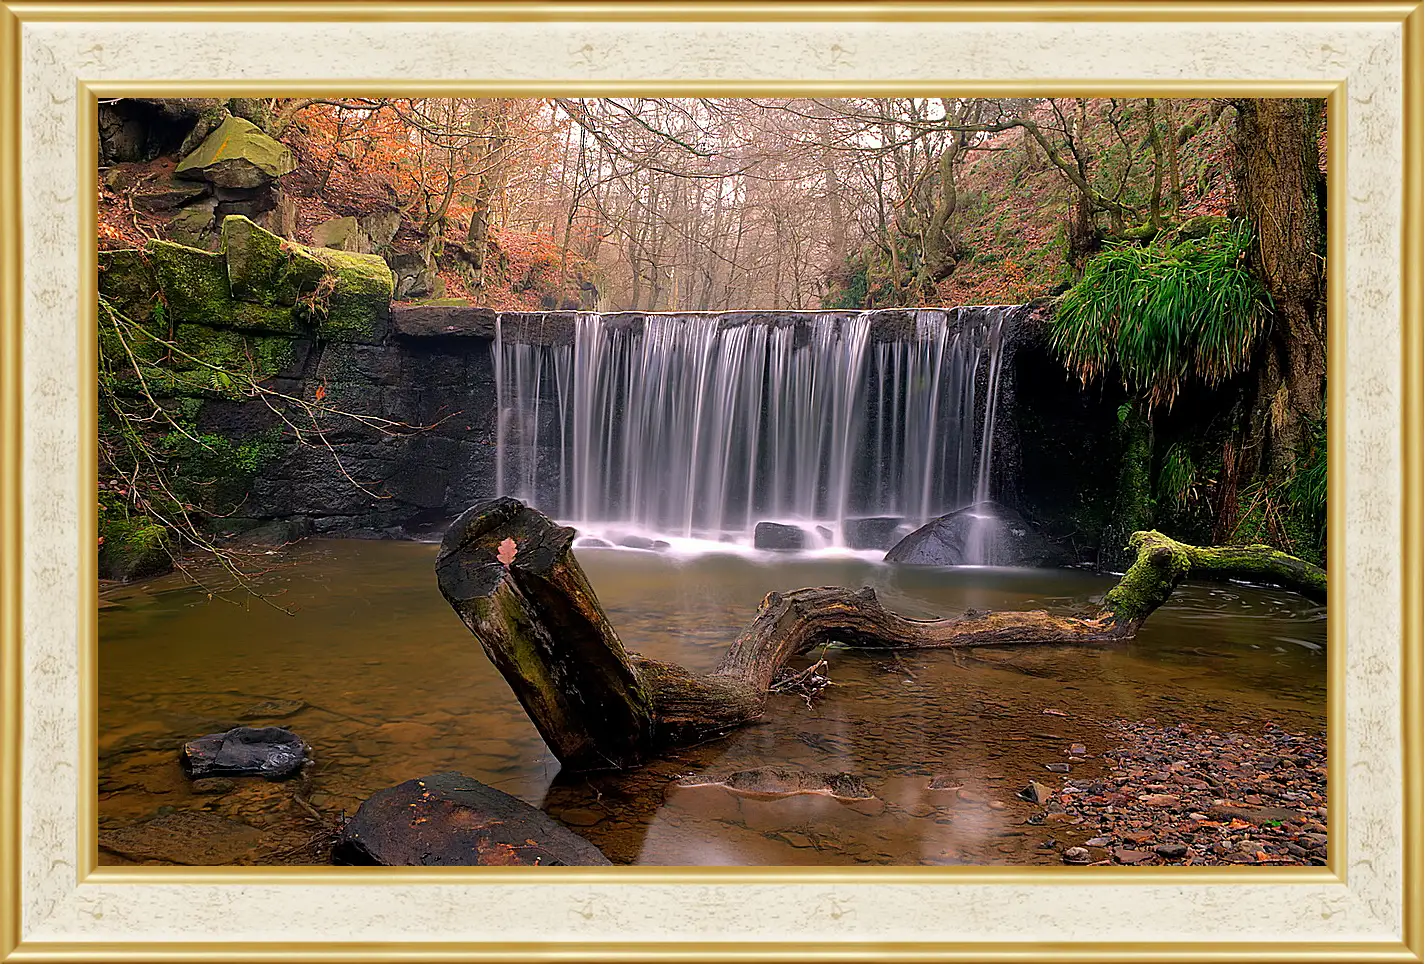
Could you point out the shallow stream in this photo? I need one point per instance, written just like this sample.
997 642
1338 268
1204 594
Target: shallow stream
396 688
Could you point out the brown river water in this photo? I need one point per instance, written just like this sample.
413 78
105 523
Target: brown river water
396 688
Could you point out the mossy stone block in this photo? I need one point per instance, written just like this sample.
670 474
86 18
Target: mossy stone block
353 303
276 319
127 281
194 283
263 269
218 361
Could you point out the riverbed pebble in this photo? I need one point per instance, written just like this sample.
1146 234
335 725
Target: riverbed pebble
1189 794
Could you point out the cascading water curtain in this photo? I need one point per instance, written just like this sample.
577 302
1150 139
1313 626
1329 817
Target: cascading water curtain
702 425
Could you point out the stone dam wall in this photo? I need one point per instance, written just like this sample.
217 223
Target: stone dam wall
319 324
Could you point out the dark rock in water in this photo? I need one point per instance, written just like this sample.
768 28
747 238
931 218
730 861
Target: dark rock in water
213 786
783 782
245 751
983 534
774 535
824 532
593 542
272 709
639 542
183 837
874 532
451 820
1036 792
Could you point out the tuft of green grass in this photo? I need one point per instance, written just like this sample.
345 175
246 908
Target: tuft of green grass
1159 316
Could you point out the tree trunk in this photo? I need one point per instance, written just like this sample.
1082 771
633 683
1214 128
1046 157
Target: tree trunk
509 572
1282 192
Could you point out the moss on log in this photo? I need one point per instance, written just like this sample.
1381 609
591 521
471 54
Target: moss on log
510 574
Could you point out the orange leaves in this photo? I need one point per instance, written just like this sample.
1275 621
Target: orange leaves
506 552
321 392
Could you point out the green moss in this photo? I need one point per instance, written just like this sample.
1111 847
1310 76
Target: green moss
238 356
1159 565
353 302
261 356
441 302
265 270
213 469
237 154
194 283
132 545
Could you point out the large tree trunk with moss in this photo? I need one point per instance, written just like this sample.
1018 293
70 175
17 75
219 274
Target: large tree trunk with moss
1133 503
1282 192
509 572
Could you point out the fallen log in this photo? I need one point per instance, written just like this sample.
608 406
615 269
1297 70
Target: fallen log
510 574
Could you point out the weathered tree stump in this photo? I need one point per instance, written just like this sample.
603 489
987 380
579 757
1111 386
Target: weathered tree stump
510 574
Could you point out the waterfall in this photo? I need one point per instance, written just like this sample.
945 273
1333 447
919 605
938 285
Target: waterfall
701 425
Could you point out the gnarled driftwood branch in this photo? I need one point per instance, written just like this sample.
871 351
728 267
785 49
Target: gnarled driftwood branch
510 574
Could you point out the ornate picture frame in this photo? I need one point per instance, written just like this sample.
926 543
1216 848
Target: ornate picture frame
60 58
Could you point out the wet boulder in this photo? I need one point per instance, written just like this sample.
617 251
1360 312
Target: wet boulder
983 534
451 820
873 532
775 535
245 751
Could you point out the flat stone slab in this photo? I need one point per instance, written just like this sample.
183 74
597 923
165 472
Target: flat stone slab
451 820
442 321
245 751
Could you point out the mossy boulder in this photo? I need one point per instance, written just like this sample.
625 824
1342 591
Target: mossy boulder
237 155
194 283
344 234
193 226
353 302
131 545
128 282
264 270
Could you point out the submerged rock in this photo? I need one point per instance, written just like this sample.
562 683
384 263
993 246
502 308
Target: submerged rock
983 534
783 782
775 535
451 820
245 751
272 709
183 837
